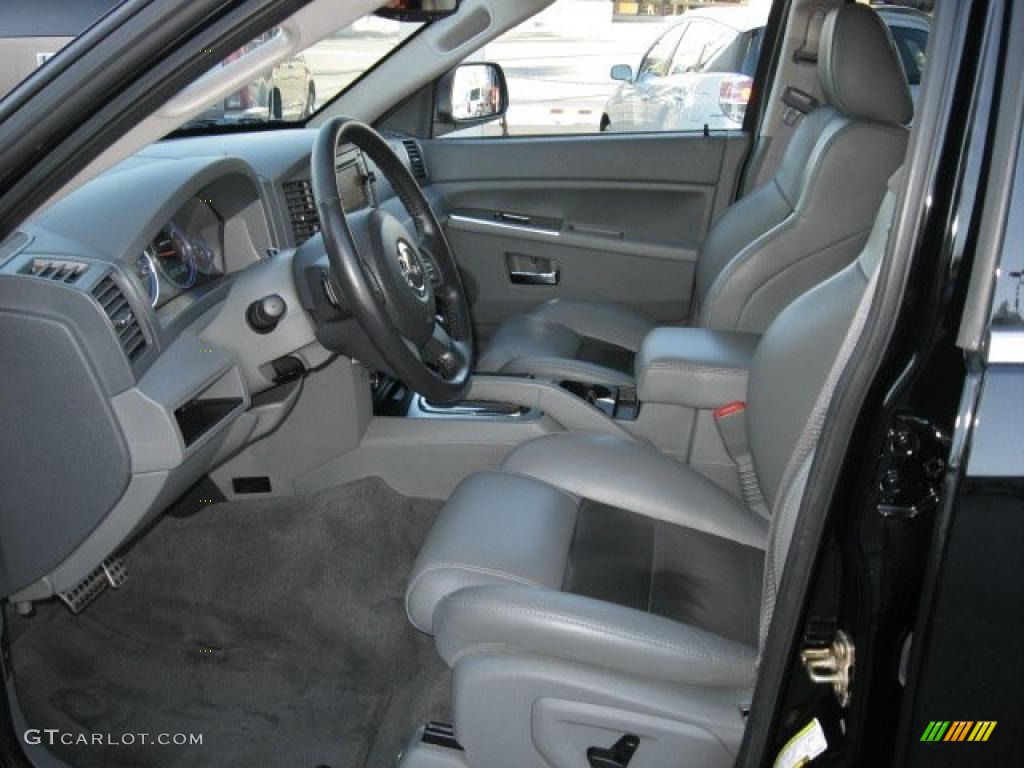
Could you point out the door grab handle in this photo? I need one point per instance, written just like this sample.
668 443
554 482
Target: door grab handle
534 278
588 229
516 218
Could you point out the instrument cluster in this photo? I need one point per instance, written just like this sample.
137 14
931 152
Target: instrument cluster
181 255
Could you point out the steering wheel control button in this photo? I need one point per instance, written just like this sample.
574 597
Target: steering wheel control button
412 269
264 314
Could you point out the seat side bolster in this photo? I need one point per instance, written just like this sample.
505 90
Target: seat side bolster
603 321
636 477
580 629
495 529
569 369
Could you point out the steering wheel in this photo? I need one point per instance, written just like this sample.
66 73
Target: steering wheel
402 287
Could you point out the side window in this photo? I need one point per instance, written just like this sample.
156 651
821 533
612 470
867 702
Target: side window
672 72
912 43
702 44
656 62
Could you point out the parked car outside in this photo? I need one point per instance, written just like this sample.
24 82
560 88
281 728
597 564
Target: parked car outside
700 70
31 35
288 91
29 38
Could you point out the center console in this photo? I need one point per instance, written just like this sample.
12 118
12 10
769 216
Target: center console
684 377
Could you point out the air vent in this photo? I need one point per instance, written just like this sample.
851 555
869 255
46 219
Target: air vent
305 221
58 270
416 164
126 325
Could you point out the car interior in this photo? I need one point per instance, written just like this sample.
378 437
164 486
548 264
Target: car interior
381 446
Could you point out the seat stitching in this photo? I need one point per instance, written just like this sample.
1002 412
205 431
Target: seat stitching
473 569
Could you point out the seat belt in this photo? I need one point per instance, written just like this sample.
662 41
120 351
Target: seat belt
798 95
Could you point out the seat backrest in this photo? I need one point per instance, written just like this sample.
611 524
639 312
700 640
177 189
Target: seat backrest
792 377
812 218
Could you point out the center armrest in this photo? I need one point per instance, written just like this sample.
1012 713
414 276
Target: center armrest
694 367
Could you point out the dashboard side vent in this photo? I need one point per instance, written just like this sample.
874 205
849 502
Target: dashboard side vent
58 270
298 196
122 317
416 163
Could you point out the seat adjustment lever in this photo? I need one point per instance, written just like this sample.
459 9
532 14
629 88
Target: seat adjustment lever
617 755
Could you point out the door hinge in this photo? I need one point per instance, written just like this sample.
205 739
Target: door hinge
913 468
832 665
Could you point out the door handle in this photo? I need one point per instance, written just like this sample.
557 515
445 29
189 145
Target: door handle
534 278
531 270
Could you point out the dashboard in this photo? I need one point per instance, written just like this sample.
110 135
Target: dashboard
130 338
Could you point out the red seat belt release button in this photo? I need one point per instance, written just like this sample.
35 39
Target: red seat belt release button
729 409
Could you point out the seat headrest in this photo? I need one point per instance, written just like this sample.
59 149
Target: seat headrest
859 68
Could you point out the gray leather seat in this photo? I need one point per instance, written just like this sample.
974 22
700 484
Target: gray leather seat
594 586
805 224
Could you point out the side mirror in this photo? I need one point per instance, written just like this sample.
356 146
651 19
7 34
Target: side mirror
622 72
471 94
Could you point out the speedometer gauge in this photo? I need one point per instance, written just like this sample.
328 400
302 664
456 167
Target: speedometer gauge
146 270
173 254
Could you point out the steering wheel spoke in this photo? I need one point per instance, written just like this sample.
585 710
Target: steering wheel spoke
426 244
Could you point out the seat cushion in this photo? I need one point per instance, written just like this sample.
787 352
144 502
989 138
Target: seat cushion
516 564
642 531
566 339
620 557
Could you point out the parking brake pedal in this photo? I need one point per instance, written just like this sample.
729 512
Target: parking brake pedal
440 735
111 572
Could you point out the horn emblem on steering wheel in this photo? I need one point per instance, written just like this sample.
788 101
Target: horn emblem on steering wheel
411 268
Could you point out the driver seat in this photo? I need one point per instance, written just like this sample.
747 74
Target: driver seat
594 589
805 224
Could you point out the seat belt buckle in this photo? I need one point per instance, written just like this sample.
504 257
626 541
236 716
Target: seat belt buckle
729 409
731 421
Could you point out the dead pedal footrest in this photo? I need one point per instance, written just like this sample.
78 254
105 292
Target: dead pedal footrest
111 572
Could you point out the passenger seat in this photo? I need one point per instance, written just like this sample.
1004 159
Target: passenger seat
804 225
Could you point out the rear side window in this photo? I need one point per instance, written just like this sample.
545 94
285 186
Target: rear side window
911 44
675 72
657 61
703 46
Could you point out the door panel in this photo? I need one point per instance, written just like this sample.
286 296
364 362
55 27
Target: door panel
617 217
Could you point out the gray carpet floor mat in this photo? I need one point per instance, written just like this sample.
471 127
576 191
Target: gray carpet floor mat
275 628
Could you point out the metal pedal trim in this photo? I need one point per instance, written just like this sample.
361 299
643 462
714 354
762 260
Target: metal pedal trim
110 573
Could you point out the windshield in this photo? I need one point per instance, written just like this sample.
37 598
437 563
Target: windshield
299 86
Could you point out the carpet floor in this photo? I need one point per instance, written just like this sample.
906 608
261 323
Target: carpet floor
275 628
